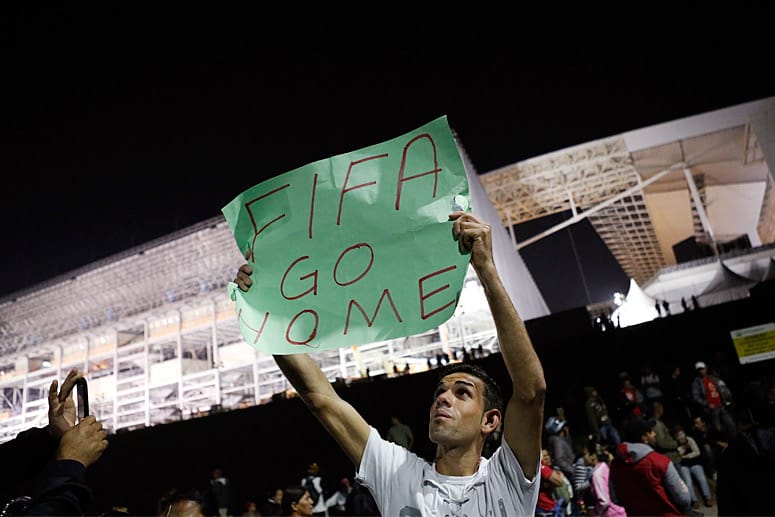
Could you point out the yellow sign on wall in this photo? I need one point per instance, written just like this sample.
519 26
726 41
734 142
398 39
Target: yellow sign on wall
754 344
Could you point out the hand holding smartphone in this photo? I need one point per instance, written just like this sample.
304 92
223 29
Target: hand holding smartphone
81 398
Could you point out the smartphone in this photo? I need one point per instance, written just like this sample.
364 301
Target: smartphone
81 398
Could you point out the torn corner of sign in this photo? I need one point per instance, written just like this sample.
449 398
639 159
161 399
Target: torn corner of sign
460 203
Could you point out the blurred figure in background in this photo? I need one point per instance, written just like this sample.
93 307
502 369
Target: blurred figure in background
598 458
690 467
400 433
296 502
220 487
273 505
746 471
599 420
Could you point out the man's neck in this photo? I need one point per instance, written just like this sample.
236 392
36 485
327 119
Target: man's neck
458 461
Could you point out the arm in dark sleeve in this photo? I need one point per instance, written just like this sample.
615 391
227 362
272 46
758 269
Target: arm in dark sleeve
594 425
31 450
63 490
23 458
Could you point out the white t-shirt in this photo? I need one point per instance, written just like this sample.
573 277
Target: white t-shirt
405 485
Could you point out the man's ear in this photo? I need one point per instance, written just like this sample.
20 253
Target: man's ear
491 420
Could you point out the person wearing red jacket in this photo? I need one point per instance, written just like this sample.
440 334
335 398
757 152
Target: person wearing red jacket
644 481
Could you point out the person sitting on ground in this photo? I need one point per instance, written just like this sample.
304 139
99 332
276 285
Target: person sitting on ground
664 441
598 458
630 399
551 479
336 504
466 409
559 444
643 481
583 497
711 442
273 505
691 466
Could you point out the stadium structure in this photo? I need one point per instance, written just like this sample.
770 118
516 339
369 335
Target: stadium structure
156 333
687 207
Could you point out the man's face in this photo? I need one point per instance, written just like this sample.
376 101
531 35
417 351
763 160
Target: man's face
651 438
304 505
457 410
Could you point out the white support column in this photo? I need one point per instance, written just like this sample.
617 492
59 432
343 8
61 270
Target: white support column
699 205
147 368
58 361
24 387
511 230
214 341
572 203
179 359
115 380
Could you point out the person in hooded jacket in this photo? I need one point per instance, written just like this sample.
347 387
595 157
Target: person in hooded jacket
644 481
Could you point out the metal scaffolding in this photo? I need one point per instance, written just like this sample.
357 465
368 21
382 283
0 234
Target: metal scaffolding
157 336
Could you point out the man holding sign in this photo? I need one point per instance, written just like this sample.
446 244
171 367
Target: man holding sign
341 232
466 410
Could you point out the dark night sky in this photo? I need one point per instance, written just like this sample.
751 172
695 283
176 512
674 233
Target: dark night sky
120 126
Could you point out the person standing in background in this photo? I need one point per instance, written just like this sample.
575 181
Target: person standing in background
220 486
713 396
273 505
598 418
400 433
313 483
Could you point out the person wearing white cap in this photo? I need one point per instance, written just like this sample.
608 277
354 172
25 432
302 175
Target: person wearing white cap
712 395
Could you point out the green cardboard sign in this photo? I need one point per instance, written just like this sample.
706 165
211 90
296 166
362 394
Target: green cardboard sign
353 249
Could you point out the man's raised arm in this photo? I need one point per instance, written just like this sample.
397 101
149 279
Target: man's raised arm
339 418
525 410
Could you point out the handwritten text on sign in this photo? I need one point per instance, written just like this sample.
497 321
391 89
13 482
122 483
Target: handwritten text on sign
353 249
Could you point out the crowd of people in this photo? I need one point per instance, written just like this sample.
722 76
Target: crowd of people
662 447
656 448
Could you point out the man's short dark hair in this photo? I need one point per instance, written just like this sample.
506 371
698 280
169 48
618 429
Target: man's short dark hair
206 504
493 399
636 428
